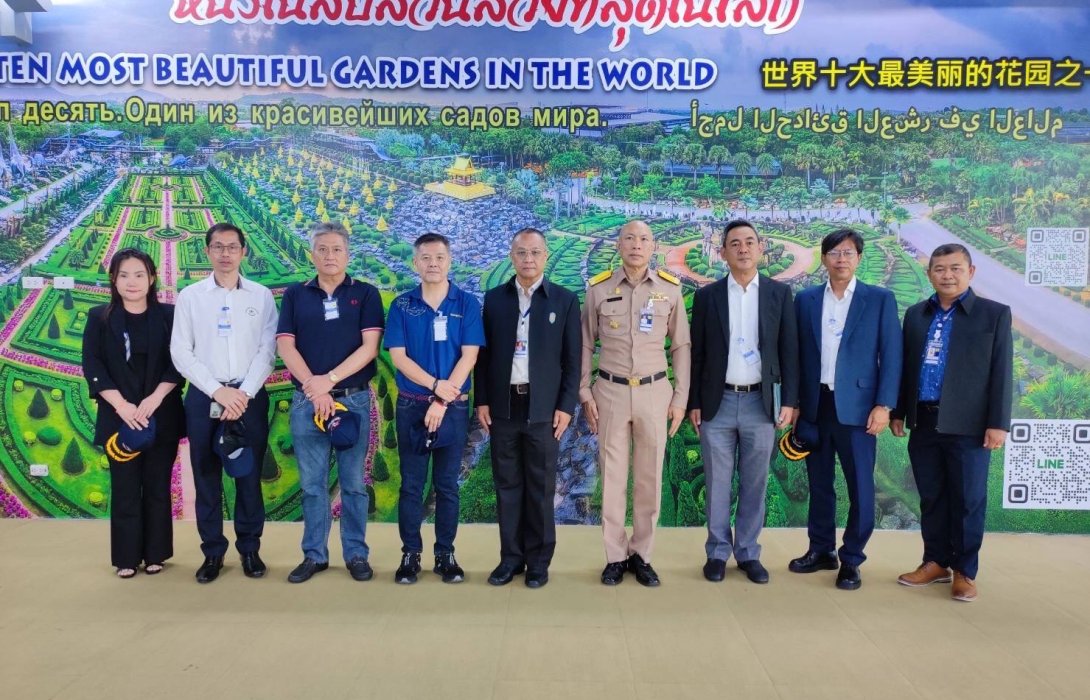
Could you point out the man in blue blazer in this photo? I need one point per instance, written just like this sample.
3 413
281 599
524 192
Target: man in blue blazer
850 372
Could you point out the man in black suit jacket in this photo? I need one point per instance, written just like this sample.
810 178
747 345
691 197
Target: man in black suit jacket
744 351
956 398
527 384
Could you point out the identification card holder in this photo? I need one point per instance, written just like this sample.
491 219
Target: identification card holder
329 306
439 328
647 317
223 322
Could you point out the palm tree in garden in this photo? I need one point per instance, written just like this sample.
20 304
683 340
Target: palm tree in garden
766 164
806 157
1059 395
742 163
694 156
634 170
718 155
1033 206
900 217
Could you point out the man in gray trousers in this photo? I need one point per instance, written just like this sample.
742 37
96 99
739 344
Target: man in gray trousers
745 379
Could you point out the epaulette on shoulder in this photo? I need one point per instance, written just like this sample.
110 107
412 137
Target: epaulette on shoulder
601 277
668 277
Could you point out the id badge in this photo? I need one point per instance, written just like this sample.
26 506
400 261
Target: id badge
439 328
932 352
223 322
332 313
751 357
521 348
647 317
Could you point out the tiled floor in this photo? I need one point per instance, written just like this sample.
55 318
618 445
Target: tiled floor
70 629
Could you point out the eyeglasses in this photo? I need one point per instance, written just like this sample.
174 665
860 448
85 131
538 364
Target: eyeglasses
842 254
525 254
219 248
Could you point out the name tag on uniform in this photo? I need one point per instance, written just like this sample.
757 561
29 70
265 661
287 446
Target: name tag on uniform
332 313
932 351
522 348
439 328
223 322
751 357
647 317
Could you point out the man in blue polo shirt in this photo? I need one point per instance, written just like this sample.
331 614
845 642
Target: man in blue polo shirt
329 334
433 333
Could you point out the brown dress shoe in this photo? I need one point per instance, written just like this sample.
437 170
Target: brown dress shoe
925 574
964 588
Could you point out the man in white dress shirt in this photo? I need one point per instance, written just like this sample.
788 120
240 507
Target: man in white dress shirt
850 349
744 352
224 343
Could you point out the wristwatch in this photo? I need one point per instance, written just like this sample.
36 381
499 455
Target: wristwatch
333 377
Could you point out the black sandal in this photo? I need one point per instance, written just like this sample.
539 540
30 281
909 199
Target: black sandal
125 572
150 571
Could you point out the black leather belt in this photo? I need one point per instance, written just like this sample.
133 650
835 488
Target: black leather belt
928 406
520 389
631 381
825 388
347 391
743 388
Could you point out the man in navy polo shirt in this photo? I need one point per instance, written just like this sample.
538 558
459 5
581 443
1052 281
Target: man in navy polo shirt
433 333
329 334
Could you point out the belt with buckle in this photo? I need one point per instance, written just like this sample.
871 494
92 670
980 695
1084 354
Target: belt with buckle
347 391
743 388
631 381
928 406
520 389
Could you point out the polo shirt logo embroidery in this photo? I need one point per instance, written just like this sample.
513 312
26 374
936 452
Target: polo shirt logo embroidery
251 311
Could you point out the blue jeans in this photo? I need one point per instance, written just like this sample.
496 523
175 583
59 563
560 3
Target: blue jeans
446 463
313 452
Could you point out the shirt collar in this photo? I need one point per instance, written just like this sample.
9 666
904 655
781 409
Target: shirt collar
733 284
213 285
533 287
848 292
963 301
453 292
313 282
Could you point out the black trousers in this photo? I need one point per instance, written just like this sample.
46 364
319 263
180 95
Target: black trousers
141 528
524 469
951 474
208 475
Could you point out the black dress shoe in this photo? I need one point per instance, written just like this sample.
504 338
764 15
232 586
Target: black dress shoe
614 572
754 571
814 561
715 569
848 578
209 570
536 578
252 565
645 575
304 571
504 573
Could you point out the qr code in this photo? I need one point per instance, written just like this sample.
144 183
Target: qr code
1056 257
1047 465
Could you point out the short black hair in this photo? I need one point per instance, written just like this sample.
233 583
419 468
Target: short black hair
839 236
738 223
528 231
220 228
950 249
431 237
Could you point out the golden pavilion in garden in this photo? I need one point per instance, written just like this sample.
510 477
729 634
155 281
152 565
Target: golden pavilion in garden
462 181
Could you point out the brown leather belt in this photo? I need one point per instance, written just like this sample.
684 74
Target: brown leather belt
631 381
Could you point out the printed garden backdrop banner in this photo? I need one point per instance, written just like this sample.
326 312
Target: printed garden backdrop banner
917 122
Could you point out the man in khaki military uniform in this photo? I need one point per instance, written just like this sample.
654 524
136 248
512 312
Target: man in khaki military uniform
631 311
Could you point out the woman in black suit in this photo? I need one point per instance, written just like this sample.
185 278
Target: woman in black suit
126 362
